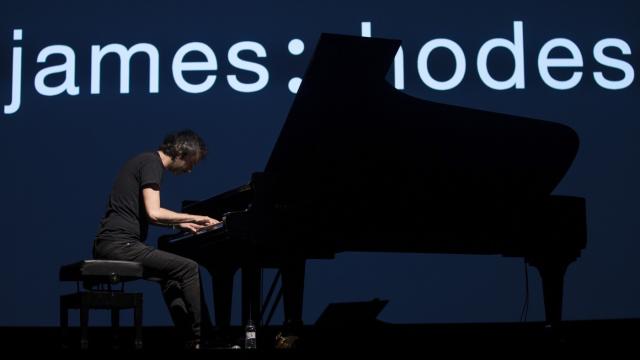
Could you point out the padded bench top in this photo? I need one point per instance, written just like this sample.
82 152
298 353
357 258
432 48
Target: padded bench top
112 271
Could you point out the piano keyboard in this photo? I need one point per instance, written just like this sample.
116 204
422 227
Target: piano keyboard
186 235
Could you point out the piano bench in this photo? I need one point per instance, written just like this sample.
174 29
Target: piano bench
99 290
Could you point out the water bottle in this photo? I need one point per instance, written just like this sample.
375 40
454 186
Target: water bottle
250 335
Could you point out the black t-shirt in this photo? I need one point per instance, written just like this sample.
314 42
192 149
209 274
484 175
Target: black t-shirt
126 217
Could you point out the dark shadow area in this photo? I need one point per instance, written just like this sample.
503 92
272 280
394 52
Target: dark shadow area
379 336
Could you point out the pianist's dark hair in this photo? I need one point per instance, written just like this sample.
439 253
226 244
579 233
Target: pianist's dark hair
183 144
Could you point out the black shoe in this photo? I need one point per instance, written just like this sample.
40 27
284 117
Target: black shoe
192 345
222 343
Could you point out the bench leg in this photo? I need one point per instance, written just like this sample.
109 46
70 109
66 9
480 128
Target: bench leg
84 323
137 320
115 327
64 322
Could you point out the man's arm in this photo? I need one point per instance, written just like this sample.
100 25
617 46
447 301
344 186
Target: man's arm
162 216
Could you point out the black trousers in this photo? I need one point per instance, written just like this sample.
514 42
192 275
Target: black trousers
178 276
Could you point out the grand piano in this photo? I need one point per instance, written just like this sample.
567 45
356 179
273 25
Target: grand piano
361 166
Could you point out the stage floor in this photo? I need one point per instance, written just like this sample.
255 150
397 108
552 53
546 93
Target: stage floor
570 335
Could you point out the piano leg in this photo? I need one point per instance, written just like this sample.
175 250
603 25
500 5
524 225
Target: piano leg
293 292
206 325
222 283
251 293
552 271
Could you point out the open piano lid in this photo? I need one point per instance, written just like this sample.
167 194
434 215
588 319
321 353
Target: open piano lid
351 136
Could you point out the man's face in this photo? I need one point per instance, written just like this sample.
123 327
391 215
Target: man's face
182 165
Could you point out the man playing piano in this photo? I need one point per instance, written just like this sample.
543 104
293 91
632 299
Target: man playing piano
134 202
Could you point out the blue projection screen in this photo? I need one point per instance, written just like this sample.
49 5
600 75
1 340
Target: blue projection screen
85 85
